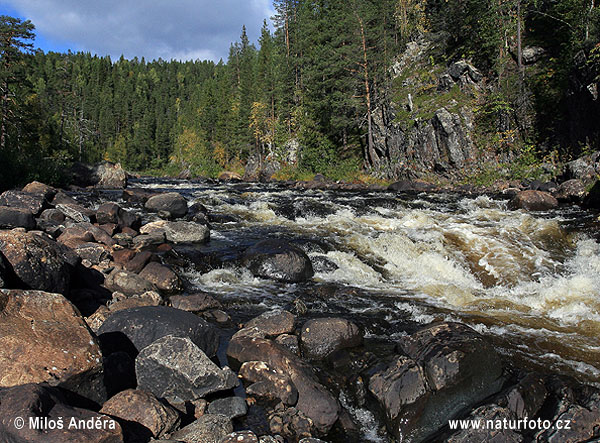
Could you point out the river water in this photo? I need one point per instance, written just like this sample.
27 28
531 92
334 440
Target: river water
393 262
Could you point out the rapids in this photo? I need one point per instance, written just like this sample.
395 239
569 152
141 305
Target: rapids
529 281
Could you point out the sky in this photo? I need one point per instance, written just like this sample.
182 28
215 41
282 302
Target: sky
167 29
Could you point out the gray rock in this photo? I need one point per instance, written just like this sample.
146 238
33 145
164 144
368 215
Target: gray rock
268 383
74 212
16 218
171 202
34 203
209 428
322 336
278 260
194 302
532 54
128 283
148 240
175 368
571 191
179 231
231 407
241 437
144 325
273 323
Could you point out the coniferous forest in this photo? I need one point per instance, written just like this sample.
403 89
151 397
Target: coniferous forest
303 95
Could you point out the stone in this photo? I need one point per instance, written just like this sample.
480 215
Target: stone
148 240
323 336
144 325
229 176
484 414
123 256
137 195
112 213
16 218
37 260
53 215
75 212
209 428
45 405
241 437
162 277
171 202
570 191
41 189
443 370
139 261
104 175
43 338
592 199
176 369
273 323
232 407
127 282
34 203
532 54
278 260
85 232
267 382
314 400
149 416
194 302
531 200
289 342
93 252
179 231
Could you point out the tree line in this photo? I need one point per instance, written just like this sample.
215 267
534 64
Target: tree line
303 95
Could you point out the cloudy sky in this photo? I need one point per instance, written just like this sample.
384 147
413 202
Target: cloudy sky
170 29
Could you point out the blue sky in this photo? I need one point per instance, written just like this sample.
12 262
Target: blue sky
169 29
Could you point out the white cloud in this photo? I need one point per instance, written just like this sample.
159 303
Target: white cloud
178 29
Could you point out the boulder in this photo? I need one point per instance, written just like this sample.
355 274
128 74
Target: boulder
43 338
176 369
53 419
592 199
142 414
209 428
483 414
194 302
571 191
232 407
75 212
146 324
148 240
162 277
34 203
267 382
314 400
105 175
229 176
278 260
112 213
85 232
531 200
53 215
444 370
139 261
179 231
127 282
41 189
321 337
171 202
273 323
37 260
16 218
93 252
411 186
137 195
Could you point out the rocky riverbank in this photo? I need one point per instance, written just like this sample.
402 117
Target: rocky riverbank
98 322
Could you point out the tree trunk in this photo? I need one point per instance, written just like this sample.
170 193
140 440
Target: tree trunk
519 41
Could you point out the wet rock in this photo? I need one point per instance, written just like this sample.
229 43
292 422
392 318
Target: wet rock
291 423
323 264
209 428
113 213
273 323
232 407
446 369
16 218
162 277
144 325
179 232
289 342
127 282
322 336
410 186
267 382
194 302
34 203
531 200
44 405
278 260
241 437
149 240
85 232
584 425
43 338
137 195
175 368
571 191
592 199
143 415
37 260
527 398
314 400
171 202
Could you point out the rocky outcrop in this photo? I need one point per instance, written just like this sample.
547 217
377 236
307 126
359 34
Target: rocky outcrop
16 218
43 338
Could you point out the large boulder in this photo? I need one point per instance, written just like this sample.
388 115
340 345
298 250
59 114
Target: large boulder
314 400
268 383
410 186
179 231
531 200
176 369
444 370
43 338
144 325
37 260
37 188
34 203
48 417
171 202
321 337
143 415
571 191
278 260
104 175
16 218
